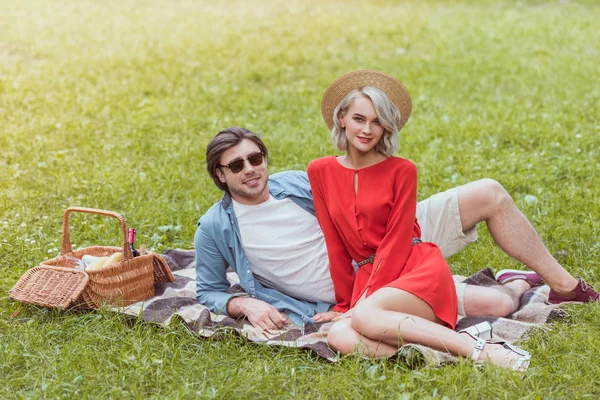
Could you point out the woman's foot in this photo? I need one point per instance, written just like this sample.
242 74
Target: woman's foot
501 354
482 330
505 355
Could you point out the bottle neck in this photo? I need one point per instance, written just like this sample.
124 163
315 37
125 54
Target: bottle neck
131 236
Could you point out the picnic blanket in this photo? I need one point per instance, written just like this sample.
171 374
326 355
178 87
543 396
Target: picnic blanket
177 301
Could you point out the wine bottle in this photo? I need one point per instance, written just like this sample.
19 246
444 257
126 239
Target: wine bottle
131 242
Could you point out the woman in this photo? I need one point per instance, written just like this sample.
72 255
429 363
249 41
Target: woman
365 200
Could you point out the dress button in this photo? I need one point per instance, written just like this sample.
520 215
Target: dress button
248 271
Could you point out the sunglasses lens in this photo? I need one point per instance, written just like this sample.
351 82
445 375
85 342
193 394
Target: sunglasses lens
255 159
236 166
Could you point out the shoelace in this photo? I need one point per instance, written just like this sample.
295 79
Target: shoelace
584 285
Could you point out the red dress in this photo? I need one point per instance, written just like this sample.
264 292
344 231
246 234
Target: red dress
379 218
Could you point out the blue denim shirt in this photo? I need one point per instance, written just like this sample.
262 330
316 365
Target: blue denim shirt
218 244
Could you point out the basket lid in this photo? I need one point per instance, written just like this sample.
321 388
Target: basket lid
48 286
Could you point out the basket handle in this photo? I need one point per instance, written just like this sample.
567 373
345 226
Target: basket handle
66 246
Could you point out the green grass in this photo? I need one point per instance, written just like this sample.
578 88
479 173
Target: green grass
111 105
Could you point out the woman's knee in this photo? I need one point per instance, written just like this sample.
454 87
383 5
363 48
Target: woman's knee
341 337
362 317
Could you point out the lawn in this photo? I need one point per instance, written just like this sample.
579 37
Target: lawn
111 105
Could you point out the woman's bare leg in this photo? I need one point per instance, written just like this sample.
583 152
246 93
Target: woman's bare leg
396 317
341 337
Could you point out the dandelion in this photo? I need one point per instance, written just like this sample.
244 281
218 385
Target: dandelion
531 200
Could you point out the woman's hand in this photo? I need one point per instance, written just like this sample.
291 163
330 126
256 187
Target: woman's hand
332 316
326 316
347 314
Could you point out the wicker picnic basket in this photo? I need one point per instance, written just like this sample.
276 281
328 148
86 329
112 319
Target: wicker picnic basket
57 283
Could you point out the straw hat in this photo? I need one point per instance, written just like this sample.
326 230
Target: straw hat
343 85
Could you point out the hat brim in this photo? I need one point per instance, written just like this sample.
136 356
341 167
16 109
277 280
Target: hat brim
343 85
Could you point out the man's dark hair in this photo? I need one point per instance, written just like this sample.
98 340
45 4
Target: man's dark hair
225 140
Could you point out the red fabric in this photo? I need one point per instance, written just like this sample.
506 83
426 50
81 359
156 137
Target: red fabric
378 219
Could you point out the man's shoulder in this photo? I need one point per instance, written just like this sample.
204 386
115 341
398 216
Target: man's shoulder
213 216
286 178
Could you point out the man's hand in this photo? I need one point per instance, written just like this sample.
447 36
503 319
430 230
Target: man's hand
259 313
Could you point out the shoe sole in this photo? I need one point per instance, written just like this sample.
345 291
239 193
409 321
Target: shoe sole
482 330
515 271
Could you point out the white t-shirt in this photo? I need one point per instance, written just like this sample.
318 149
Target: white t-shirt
286 249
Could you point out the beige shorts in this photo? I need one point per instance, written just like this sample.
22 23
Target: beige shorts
460 293
439 219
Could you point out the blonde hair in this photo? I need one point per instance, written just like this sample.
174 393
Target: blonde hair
387 113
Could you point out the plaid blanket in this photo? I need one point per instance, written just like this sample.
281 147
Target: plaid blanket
177 300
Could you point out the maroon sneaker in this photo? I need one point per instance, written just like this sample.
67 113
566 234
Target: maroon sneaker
509 275
583 293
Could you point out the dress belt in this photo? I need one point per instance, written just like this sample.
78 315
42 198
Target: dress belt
372 256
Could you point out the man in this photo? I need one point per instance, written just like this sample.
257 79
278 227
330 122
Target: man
266 230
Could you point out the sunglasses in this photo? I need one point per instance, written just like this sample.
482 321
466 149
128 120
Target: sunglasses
255 159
